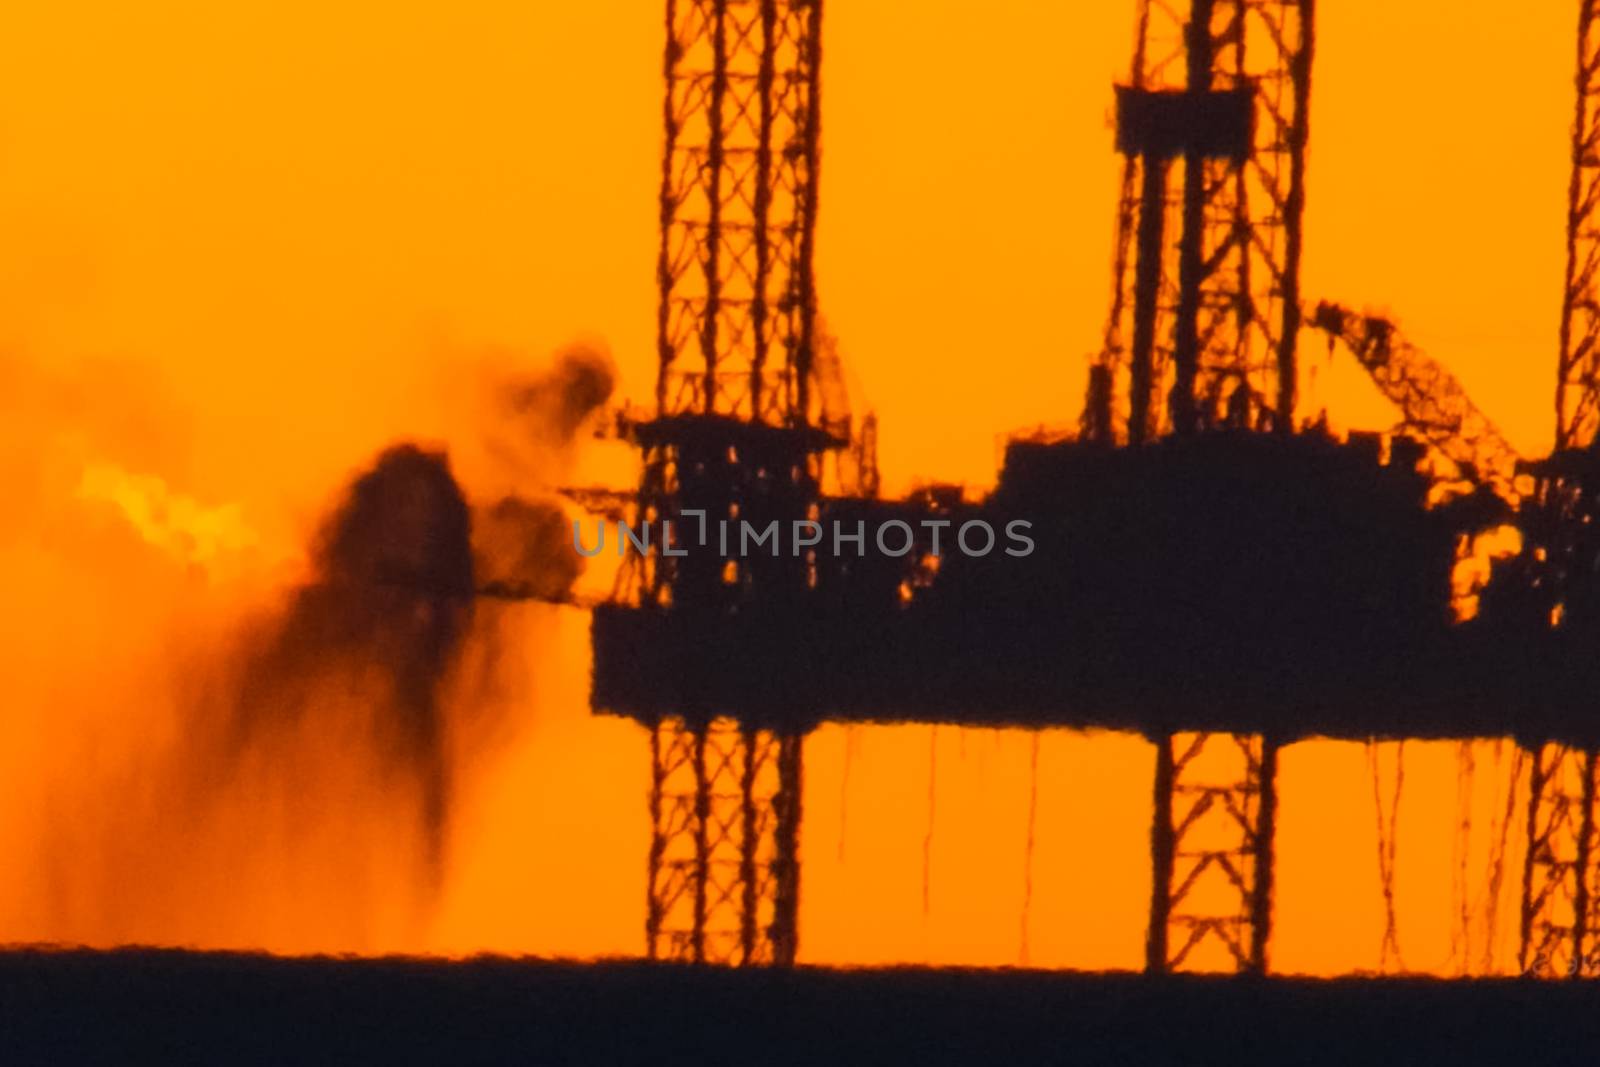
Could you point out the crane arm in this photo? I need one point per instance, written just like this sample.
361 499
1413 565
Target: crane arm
1433 403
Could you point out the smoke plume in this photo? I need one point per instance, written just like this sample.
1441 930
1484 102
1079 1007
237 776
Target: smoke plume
385 614
227 743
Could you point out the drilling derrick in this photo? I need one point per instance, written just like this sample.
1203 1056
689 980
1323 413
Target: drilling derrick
1578 381
1204 321
1560 921
1213 127
737 435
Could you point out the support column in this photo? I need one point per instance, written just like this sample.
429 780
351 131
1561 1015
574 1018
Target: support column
1558 921
1191 252
1211 847
724 867
1161 846
1266 833
784 932
1146 296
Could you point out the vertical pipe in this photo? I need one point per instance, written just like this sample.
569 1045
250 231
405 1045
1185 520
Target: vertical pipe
763 204
1146 294
1191 250
1161 858
668 209
1244 296
714 176
702 856
1028 847
749 842
1536 787
1300 65
1125 233
800 356
786 856
658 844
1265 832
1580 894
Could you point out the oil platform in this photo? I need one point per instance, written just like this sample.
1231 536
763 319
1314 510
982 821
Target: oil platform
1213 569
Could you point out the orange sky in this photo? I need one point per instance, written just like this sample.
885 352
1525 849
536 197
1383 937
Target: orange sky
259 241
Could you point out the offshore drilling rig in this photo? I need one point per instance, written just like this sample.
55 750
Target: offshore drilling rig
1214 570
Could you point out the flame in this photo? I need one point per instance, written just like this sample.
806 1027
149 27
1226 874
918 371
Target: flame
304 225
189 531
267 734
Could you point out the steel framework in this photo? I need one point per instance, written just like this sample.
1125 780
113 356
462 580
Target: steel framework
1561 877
1432 402
1559 884
1211 320
1222 304
736 311
1211 853
742 423
1578 378
725 811
738 209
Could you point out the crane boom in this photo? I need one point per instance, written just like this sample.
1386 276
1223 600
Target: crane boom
1431 400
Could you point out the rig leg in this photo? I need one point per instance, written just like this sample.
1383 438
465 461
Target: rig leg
1559 874
1211 843
724 865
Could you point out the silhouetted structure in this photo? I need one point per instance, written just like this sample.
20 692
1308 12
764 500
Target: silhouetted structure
1435 406
737 432
1578 381
1561 876
1221 89
1226 92
1216 573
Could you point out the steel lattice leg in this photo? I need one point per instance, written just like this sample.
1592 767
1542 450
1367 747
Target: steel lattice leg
1211 852
724 868
1559 883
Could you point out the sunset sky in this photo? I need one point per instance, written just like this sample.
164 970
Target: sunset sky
244 246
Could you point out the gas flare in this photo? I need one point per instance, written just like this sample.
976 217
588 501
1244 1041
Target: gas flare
235 754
